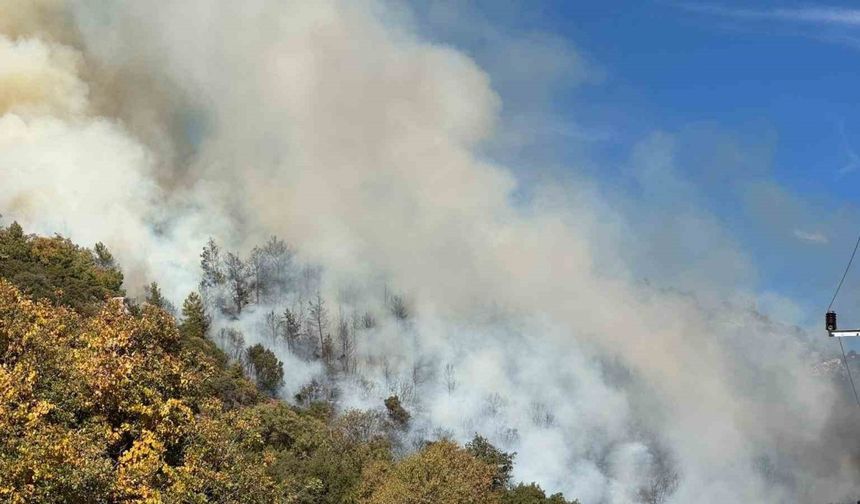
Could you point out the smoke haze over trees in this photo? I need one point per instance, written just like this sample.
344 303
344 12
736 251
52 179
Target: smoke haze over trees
109 401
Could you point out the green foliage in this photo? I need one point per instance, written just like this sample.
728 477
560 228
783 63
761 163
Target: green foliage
230 385
58 270
154 297
396 412
195 321
104 258
268 370
227 382
532 494
115 407
503 462
442 473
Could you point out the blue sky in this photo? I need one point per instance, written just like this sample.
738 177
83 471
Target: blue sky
756 107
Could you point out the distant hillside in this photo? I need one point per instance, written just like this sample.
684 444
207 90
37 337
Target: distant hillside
104 401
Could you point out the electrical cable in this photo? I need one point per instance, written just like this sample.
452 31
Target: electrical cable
850 378
844 274
832 300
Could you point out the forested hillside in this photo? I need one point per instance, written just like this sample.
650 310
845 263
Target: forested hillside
106 400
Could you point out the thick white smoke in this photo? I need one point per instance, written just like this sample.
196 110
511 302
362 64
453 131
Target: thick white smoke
151 126
66 169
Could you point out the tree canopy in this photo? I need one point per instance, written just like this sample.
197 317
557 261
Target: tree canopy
100 403
58 270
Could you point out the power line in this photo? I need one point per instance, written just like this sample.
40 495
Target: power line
848 368
844 274
832 300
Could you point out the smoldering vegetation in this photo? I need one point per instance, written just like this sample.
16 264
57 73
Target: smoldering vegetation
364 346
350 351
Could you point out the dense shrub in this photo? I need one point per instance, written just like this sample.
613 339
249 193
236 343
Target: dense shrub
58 270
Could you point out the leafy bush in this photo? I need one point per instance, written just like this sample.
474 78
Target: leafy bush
442 473
503 462
268 370
396 412
58 270
532 494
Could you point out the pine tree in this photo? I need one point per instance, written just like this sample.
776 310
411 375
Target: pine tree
104 258
268 370
279 261
347 349
16 232
154 297
319 320
210 263
195 320
237 281
399 308
292 328
257 270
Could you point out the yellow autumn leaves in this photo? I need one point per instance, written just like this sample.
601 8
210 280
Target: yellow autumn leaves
117 407
103 401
